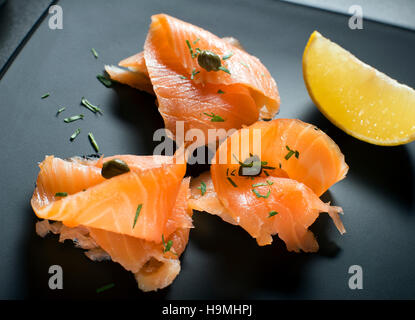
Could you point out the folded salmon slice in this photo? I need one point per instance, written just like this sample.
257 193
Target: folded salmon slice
298 163
187 92
100 214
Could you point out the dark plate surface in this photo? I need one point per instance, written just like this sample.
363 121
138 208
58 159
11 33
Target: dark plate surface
221 260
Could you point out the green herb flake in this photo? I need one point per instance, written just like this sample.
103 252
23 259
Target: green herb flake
270 182
45 95
73 118
93 141
272 213
104 80
190 49
106 287
244 64
214 117
196 41
75 134
227 56
137 213
259 185
95 53
224 69
61 194
60 111
90 106
260 195
220 91
291 153
194 72
232 182
202 188
167 246
266 173
183 77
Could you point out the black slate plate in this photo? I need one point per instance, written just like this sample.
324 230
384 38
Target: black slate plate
221 260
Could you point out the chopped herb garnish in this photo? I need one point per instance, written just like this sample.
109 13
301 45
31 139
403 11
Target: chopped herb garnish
61 194
224 69
244 64
137 213
270 182
202 188
260 195
233 172
220 91
95 53
258 184
93 141
45 95
90 106
280 165
75 134
194 72
60 111
190 49
272 213
266 173
104 80
106 287
214 117
182 77
232 182
291 153
227 56
167 246
227 171
73 118
113 168
196 41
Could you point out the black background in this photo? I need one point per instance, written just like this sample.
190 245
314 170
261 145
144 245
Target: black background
221 260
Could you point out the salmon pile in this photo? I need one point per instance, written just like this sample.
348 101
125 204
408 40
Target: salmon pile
100 213
298 163
187 92
137 210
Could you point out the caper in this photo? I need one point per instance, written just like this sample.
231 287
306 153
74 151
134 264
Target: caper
209 60
113 168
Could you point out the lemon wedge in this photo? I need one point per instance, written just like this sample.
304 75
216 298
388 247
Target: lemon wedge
356 97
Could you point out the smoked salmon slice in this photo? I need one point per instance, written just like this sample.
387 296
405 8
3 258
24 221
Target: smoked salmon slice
295 164
135 72
100 214
237 95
